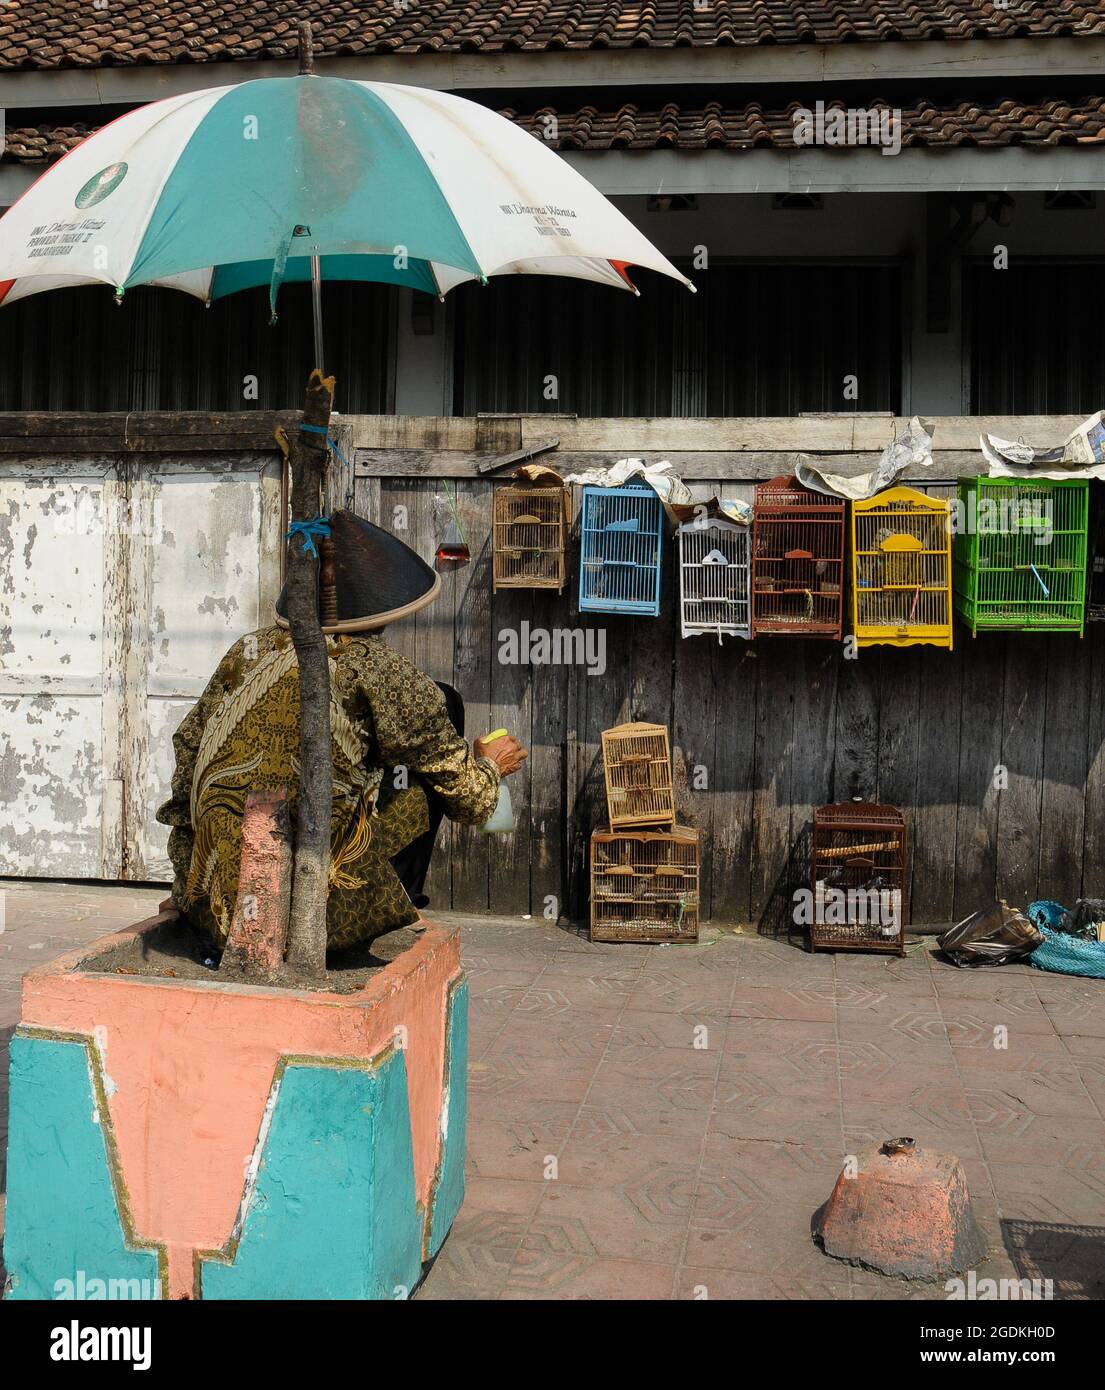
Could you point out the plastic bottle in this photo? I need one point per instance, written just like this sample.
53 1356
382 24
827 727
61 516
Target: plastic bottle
501 819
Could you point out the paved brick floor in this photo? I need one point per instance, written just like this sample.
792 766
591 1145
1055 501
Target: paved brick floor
662 1122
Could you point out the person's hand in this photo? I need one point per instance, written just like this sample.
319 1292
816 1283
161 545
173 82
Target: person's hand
505 752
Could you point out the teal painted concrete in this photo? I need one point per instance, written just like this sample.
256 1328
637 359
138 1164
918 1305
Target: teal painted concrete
333 1212
64 1236
316 152
450 1187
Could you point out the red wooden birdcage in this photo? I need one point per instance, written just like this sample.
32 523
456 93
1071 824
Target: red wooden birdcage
858 878
797 561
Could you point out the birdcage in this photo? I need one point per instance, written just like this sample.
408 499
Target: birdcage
713 578
636 760
858 878
644 885
797 561
1020 554
621 541
529 538
901 570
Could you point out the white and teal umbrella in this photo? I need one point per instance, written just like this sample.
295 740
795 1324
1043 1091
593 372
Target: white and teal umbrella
255 184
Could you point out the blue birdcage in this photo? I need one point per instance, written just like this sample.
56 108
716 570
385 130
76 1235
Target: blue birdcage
621 541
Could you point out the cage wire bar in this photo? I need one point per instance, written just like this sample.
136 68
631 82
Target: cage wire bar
901 570
1020 554
636 761
529 538
621 543
797 561
645 885
714 578
858 878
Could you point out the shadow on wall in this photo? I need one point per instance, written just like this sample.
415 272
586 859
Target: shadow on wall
777 918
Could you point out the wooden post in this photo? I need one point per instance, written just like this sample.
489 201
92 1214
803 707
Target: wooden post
310 883
306 48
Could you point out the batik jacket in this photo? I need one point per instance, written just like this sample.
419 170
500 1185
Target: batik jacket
243 735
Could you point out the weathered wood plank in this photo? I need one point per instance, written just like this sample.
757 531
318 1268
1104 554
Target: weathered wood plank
856 755
512 695
1064 767
691 465
548 795
816 692
472 672
1022 745
1093 848
842 433
980 754
777 665
930 805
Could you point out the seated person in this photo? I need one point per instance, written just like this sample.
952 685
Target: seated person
400 761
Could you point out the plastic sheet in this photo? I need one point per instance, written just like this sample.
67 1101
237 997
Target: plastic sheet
995 936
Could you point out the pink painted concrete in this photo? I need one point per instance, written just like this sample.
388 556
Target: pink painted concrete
190 1067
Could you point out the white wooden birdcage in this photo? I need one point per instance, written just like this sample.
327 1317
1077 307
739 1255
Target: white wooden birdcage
713 578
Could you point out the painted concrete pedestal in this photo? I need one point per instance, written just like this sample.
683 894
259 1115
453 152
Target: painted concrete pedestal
181 1139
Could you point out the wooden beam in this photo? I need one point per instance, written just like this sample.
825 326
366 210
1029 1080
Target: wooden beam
139 432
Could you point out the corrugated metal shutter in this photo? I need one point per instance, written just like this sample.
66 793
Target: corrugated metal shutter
1035 335
162 350
755 340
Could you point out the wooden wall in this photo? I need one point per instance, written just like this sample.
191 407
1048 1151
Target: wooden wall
775 728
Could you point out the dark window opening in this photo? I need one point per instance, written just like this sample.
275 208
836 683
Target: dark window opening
755 340
77 349
1035 337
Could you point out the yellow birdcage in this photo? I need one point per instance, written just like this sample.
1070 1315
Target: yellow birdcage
901 570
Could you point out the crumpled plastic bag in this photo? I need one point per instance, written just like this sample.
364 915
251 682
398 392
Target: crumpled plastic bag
995 936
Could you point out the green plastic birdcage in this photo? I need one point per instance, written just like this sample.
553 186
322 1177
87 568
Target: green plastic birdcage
1020 554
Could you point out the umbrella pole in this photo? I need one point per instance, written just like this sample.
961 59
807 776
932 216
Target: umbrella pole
316 308
311 874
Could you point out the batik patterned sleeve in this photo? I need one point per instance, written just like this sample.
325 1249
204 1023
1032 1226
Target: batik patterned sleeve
177 811
413 730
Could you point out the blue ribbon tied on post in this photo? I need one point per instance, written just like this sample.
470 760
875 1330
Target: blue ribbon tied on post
315 526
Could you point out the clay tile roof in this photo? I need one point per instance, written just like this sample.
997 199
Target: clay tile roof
733 126
736 126
62 33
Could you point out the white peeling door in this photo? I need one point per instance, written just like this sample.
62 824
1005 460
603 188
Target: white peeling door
121 587
61 789
210 575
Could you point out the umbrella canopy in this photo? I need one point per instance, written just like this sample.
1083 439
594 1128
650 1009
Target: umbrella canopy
234 187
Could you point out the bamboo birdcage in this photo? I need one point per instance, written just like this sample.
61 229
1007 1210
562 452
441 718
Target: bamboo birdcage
714 578
636 760
901 570
858 878
529 538
797 561
1020 554
621 543
644 885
